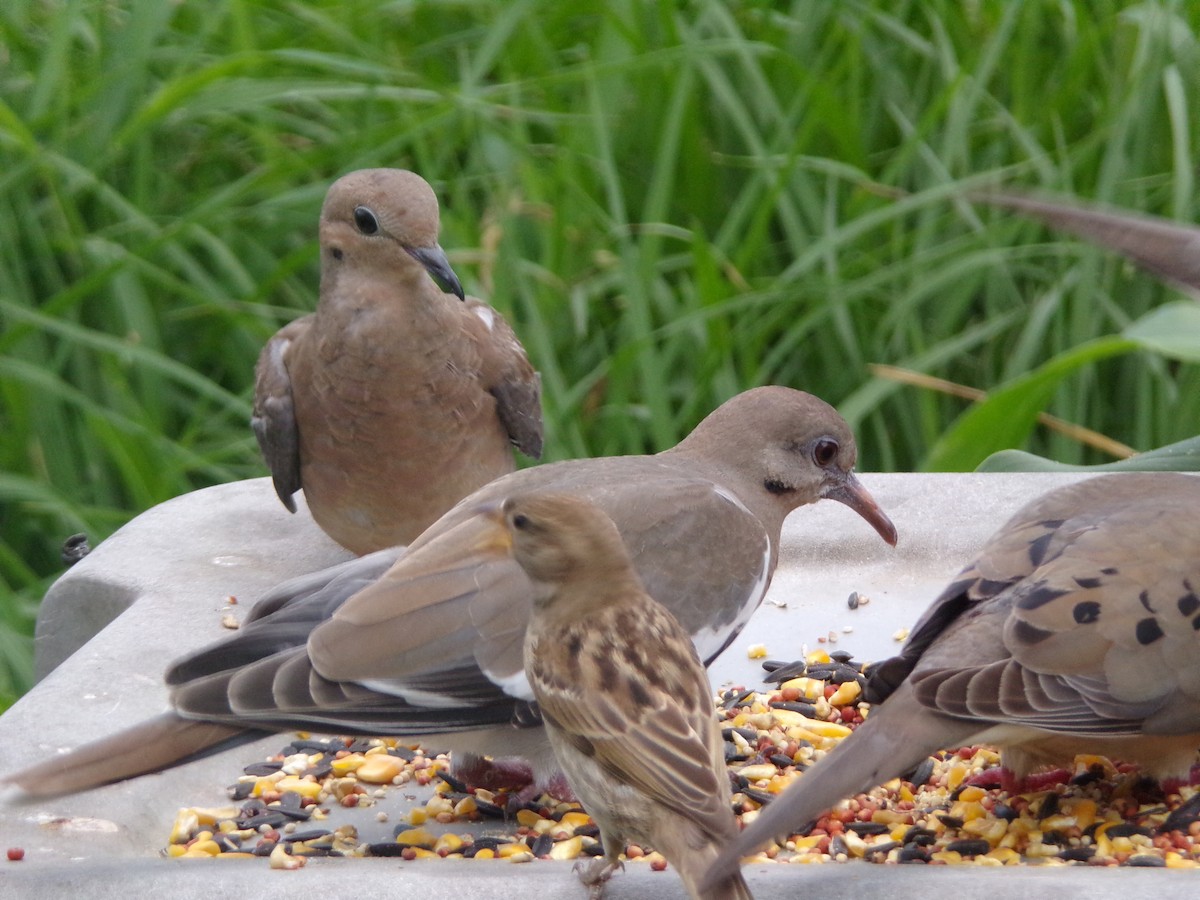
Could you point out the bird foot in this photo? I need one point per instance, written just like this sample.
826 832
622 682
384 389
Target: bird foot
500 774
1001 777
595 874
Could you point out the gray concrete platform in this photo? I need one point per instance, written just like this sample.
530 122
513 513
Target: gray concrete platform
171 570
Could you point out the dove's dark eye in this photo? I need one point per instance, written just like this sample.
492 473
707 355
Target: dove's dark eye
365 220
825 451
520 521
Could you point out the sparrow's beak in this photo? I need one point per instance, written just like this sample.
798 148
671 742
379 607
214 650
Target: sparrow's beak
851 492
435 263
493 535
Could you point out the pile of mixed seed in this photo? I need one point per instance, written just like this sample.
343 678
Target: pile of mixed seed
945 813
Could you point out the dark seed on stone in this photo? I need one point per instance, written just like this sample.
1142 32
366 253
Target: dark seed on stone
837 846
306 745
1088 777
455 784
311 834
912 855
866 829
852 600
1183 816
1004 811
591 830
1077 854
762 797
226 843
291 805
969 846
270 819
596 849
1054 837
359 745
322 770
403 753
922 773
881 849
798 706
919 837
487 843
541 846
490 810
842 656
262 768
950 821
241 790
749 734
788 672
385 848
736 698
1144 861
263 848
834 672
779 760
1049 807
732 753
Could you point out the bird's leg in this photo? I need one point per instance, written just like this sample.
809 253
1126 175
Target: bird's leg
1003 778
595 874
500 774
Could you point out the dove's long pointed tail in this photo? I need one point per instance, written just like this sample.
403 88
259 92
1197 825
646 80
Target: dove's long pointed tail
157 743
893 740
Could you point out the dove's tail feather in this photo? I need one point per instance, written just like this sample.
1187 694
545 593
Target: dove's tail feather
692 856
157 743
895 738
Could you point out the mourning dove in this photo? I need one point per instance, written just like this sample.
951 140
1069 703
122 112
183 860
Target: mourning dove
1076 629
433 644
625 700
1170 250
392 401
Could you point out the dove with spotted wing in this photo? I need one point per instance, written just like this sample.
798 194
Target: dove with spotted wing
1076 629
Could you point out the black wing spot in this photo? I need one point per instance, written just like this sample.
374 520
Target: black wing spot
1038 548
1030 634
1088 583
1144 599
1148 631
1086 612
1039 597
1188 604
1109 570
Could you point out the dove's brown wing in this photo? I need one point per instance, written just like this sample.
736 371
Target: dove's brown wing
506 372
274 417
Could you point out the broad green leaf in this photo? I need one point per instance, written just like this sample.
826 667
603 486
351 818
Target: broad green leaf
1183 456
1006 417
1172 330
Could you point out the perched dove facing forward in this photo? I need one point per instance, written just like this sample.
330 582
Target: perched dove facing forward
626 702
432 646
392 401
1077 629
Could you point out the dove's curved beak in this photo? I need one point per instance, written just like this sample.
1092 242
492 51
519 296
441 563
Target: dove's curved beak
851 492
433 259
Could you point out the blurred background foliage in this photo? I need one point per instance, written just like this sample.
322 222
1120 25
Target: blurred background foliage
672 201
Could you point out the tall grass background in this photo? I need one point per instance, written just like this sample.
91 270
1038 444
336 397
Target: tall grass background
672 201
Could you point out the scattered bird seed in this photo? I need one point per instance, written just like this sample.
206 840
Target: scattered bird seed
948 812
